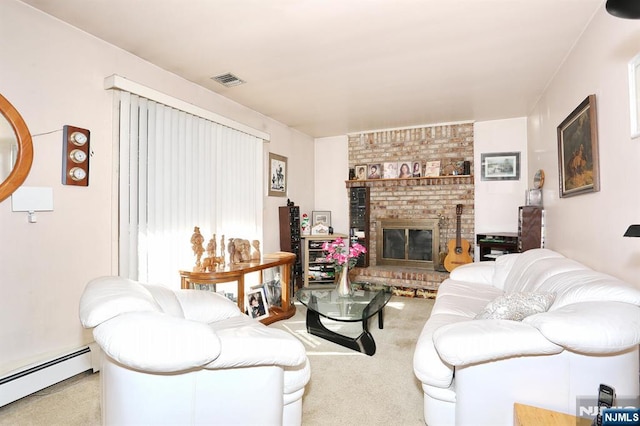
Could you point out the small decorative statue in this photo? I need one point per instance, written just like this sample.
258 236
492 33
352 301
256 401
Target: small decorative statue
222 250
245 250
304 224
231 249
256 250
238 250
212 246
196 245
210 263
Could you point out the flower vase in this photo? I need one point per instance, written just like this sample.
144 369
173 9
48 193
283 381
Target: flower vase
343 284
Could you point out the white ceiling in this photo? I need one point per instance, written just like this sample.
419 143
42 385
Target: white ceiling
331 67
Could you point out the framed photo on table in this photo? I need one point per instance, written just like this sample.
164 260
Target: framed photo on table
578 150
277 175
255 302
501 166
321 217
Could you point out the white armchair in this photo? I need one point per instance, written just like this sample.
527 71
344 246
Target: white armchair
190 357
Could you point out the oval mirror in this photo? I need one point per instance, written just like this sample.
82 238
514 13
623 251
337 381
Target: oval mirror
16 149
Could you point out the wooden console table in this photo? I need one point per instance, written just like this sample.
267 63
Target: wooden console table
236 272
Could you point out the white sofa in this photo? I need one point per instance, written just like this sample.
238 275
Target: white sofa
190 357
474 370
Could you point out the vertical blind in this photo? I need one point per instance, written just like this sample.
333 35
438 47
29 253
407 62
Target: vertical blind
178 171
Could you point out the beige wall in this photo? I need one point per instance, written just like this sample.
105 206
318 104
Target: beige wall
589 227
53 74
497 201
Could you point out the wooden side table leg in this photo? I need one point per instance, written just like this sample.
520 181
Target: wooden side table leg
241 293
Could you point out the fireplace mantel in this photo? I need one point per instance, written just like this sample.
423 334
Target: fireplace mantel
423 181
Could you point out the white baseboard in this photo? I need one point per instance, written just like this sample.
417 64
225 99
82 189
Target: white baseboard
37 377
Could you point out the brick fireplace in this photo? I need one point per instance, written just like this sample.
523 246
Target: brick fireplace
416 199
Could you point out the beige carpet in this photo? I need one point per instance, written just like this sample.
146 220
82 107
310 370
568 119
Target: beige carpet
346 387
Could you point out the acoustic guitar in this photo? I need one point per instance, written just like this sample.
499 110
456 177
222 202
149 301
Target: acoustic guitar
458 248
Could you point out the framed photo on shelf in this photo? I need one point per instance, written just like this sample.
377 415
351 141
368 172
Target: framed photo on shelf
416 168
256 303
578 150
404 170
389 170
361 172
272 286
321 217
374 171
432 169
277 175
501 166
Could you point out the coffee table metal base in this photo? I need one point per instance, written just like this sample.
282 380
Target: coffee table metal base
363 343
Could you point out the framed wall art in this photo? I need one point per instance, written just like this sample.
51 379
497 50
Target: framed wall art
501 166
277 175
578 150
634 95
361 172
321 216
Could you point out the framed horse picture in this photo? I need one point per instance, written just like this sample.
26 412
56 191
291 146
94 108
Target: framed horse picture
578 150
277 175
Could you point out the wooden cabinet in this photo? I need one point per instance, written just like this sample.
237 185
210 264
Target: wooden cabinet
316 270
290 239
359 226
491 246
530 227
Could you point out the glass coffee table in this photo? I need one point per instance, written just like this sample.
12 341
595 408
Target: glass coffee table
357 308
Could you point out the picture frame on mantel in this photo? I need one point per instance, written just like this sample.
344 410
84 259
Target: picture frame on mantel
578 168
277 175
500 166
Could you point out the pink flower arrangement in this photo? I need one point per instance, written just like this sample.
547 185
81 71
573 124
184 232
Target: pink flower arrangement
339 252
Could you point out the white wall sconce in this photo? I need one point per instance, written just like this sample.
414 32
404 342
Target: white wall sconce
75 156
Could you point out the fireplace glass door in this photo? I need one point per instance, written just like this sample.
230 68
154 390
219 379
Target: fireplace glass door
406 243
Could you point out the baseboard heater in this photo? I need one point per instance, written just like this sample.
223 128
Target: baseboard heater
37 377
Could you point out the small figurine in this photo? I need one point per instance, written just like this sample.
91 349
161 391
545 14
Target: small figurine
196 245
211 247
256 250
231 248
245 251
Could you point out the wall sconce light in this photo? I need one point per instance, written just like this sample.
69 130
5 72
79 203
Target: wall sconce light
633 231
75 156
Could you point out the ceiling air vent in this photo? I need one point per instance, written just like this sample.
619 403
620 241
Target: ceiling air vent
228 80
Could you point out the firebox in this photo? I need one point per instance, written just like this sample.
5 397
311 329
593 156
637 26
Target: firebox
407 242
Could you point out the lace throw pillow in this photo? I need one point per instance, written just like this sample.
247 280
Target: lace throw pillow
517 306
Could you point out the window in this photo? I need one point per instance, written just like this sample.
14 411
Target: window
178 171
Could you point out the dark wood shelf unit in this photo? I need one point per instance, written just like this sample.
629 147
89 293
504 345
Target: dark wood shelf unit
359 221
290 239
530 227
493 245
